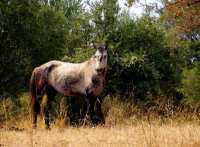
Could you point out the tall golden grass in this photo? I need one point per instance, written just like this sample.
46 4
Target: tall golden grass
126 125
141 134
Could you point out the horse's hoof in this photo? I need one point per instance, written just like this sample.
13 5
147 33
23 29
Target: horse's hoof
34 126
47 128
96 120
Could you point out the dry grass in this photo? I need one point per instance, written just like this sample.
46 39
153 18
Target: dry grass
139 134
125 126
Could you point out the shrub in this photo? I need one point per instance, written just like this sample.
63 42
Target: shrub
191 83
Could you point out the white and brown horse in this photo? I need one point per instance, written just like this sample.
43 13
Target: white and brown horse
85 79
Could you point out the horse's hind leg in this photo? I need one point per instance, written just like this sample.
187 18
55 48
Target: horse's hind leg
50 94
45 110
35 111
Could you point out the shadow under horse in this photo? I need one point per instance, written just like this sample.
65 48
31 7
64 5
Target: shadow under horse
86 79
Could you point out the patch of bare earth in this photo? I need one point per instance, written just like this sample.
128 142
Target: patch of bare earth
139 135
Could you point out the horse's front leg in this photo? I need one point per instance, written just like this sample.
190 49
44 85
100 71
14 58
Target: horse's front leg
50 94
98 117
95 111
87 101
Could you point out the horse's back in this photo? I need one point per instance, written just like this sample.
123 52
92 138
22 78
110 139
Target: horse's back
68 78
52 63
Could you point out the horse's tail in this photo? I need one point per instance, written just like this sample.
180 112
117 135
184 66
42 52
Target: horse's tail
35 106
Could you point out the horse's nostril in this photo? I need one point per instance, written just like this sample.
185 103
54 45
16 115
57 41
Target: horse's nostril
100 70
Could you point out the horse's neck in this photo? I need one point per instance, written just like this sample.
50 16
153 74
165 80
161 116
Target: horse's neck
89 69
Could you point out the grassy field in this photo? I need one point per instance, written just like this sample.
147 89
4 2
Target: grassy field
125 126
142 134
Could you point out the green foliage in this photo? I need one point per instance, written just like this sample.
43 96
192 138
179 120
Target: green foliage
80 55
15 31
31 34
191 83
145 56
50 36
104 16
141 59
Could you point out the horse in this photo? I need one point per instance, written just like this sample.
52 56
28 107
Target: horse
86 79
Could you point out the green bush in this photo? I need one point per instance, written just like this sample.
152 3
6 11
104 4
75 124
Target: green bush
191 83
140 58
30 34
79 55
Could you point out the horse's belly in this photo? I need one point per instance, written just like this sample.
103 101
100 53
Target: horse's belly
69 90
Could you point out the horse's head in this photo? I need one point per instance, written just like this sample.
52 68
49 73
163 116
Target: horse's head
100 57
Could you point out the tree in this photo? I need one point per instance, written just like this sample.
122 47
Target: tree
190 83
142 60
181 20
184 14
104 16
30 34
